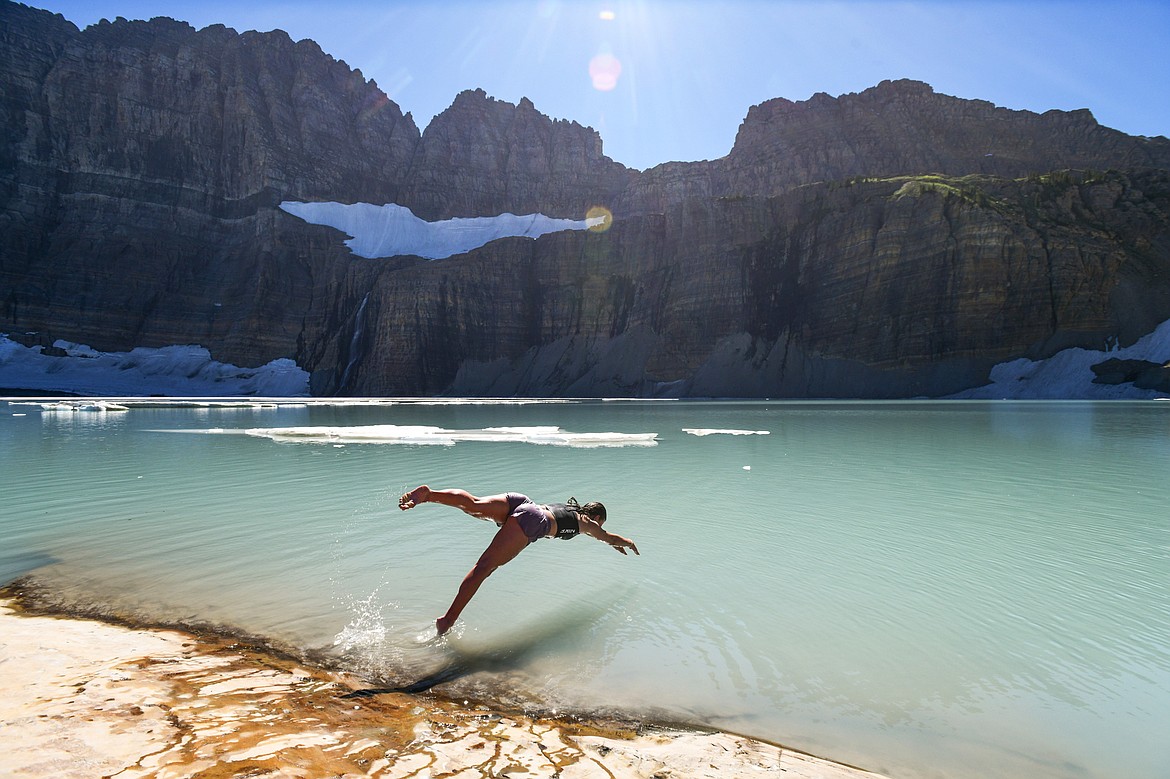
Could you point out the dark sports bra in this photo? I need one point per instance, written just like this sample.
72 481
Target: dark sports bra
568 524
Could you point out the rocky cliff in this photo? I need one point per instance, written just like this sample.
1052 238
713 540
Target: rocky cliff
871 287
482 157
890 243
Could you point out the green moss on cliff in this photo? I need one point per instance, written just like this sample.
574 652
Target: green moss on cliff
970 189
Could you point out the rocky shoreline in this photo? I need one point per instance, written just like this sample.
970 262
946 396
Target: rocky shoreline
84 698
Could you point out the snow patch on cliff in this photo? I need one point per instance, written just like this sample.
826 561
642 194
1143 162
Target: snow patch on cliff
171 370
392 230
1068 375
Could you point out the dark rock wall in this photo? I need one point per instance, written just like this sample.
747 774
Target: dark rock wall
889 243
482 157
140 193
886 288
902 127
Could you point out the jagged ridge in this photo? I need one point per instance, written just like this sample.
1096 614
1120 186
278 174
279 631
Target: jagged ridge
144 162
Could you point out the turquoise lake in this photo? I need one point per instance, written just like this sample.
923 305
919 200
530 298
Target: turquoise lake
928 589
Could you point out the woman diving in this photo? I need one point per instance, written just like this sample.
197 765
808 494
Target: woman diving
520 522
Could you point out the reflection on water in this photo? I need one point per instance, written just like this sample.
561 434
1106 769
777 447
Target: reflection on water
957 589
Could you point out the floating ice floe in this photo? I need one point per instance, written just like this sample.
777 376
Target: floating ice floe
170 370
425 435
71 406
392 230
702 431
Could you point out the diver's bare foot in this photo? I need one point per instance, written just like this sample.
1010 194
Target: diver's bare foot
442 624
414 497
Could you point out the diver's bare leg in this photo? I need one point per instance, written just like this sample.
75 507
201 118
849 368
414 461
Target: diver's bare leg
493 507
508 542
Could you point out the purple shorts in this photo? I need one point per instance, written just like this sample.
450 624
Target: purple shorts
533 519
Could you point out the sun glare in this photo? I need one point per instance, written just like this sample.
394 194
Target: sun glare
604 70
599 219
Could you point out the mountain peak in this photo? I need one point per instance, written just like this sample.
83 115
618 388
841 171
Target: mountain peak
905 127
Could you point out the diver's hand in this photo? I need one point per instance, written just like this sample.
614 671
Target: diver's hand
622 544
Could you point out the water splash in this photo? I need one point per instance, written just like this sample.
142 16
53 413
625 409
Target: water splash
366 628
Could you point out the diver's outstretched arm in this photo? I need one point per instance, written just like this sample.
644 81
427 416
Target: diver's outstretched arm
594 530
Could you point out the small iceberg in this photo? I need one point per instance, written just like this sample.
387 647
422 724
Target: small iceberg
170 370
1068 374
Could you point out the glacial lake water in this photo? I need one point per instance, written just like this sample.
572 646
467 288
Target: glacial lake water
929 589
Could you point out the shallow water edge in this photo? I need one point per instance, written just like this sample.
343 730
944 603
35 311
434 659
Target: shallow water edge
955 589
173 702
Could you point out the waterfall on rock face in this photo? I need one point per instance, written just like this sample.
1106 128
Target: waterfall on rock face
355 346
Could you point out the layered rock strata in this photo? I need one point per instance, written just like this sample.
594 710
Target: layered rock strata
876 288
889 243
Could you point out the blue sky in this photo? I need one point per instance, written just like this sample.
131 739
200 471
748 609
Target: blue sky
665 80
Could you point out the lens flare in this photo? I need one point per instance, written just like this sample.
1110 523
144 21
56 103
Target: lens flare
599 219
604 70
607 15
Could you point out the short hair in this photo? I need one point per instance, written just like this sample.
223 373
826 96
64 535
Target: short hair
595 510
